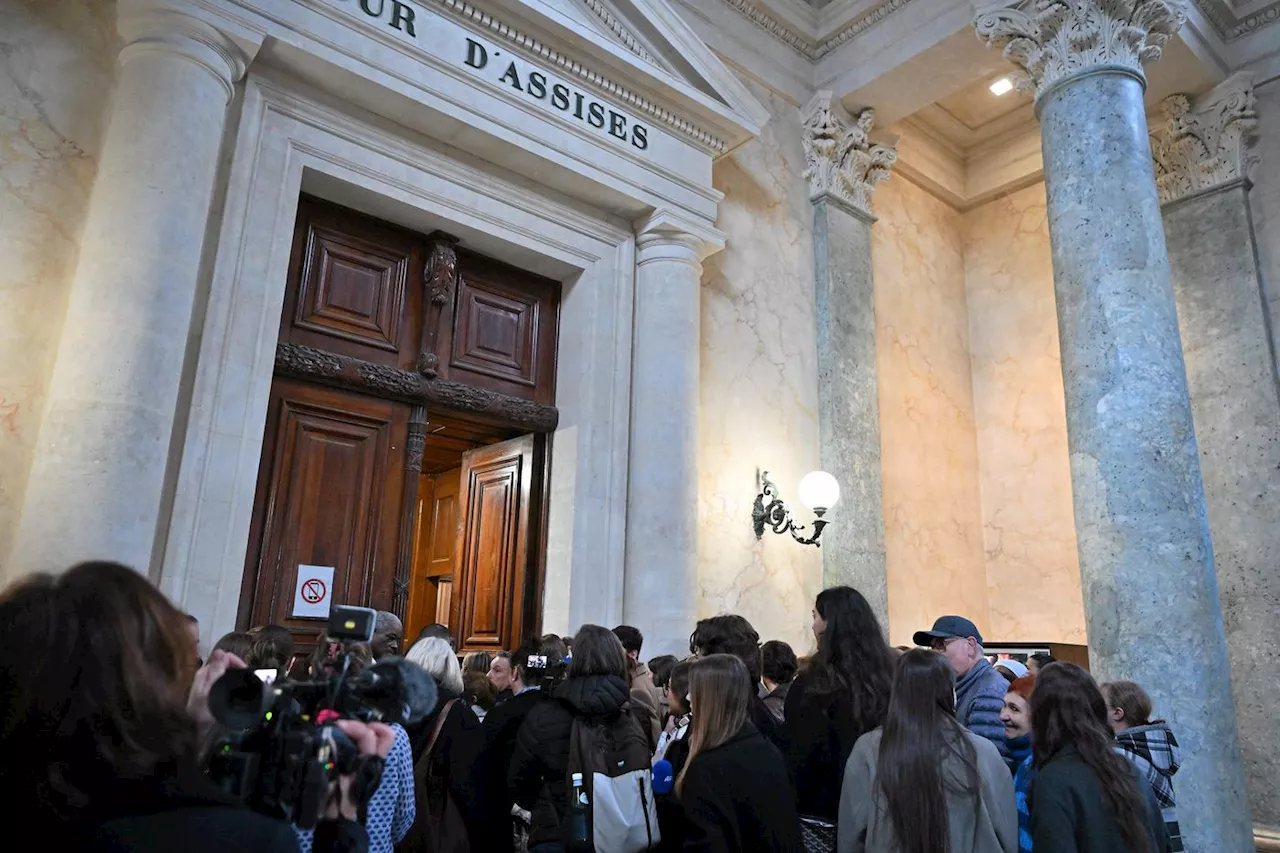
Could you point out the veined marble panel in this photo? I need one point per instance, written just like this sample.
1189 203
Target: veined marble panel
1033 570
1264 200
932 509
759 383
56 70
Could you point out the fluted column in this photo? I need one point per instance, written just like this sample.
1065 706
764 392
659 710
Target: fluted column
843 168
1203 159
660 587
96 483
1146 560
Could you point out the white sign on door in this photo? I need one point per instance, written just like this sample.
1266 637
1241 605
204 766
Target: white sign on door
314 592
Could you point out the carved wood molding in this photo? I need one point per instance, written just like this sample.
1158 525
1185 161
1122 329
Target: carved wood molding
415 445
417 440
379 380
441 278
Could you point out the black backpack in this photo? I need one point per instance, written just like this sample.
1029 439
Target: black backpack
613 756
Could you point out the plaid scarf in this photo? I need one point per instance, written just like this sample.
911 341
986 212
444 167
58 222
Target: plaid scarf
1155 751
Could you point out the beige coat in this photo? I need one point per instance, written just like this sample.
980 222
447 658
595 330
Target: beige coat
646 694
865 826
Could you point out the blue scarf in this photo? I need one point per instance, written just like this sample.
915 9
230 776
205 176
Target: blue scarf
1019 749
1023 778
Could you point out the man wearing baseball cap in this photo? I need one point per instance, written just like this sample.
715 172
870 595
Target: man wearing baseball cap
979 688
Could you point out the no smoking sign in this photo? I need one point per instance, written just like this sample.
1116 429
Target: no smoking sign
311 598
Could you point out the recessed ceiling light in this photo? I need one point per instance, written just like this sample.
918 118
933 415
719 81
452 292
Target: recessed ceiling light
1003 86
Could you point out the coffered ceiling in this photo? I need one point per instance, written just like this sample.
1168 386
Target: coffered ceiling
1233 19
972 114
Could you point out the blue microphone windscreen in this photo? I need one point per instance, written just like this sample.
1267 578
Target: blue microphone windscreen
663 777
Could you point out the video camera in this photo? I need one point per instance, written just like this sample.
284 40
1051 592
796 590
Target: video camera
545 671
281 750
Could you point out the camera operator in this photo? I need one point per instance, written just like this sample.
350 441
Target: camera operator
391 809
101 752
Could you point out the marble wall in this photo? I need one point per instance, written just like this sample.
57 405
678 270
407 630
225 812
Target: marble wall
759 386
933 521
1033 572
1258 721
1265 198
57 60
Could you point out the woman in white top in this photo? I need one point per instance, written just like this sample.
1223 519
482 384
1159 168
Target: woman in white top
677 726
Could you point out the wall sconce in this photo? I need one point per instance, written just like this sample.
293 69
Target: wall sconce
818 490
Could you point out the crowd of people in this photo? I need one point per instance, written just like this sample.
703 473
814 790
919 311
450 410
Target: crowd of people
572 744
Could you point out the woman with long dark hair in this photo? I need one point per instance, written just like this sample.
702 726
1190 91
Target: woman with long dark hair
839 698
1087 797
732 786
99 733
922 783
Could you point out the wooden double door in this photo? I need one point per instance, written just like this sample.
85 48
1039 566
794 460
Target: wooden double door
430 510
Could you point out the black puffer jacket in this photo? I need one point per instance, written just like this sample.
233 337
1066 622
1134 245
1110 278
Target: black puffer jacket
537 775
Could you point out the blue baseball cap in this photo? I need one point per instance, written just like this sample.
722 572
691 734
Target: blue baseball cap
946 627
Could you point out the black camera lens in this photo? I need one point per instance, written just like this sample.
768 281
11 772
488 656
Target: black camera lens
238 699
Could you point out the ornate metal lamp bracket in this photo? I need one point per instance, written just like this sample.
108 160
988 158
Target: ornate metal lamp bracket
775 515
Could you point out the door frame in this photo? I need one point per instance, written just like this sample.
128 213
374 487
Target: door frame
289 141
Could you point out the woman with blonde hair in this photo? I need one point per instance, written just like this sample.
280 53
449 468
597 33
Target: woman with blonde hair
734 787
437 658
448 750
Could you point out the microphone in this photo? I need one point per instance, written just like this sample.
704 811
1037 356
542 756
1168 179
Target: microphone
402 691
663 777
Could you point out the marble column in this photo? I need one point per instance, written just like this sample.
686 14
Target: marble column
1146 560
660 585
97 478
844 167
1203 160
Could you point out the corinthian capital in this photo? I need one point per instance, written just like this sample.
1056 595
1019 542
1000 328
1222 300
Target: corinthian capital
840 157
1200 146
1057 39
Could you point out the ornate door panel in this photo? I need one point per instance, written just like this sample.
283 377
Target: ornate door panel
497 544
329 490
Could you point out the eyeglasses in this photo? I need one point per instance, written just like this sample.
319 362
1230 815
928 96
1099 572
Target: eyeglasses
940 645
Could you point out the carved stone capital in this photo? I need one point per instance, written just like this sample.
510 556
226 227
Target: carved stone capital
1055 40
1202 145
840 159
151 28
668 235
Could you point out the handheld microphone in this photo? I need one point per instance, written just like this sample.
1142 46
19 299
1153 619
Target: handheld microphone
663 777
401 690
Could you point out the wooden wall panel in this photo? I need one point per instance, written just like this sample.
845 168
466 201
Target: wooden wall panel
439 554
504 330
497 334
354 285
435 547
329 490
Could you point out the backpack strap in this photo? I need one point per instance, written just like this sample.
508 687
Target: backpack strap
435 731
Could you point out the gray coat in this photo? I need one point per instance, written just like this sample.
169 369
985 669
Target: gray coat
865 827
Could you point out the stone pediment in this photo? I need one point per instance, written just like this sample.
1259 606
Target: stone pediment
649 35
